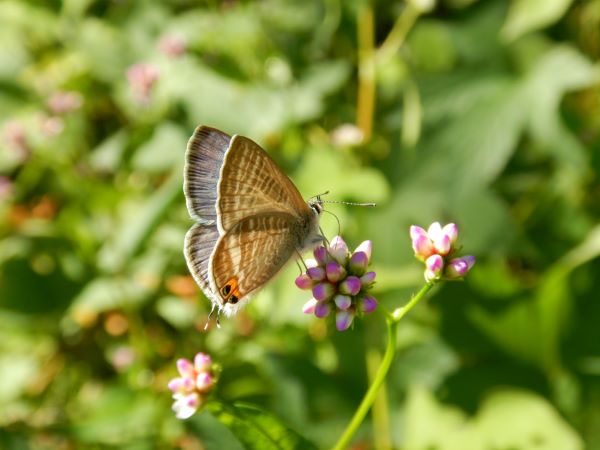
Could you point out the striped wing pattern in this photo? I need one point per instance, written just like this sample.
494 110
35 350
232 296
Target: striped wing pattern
251 218
255 250
204 158
252 184
199 244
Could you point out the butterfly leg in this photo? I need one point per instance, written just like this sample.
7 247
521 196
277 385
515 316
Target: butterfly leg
303 263
212 310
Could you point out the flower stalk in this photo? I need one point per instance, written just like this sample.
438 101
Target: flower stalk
390 351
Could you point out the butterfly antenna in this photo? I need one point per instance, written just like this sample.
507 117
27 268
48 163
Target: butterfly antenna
349 203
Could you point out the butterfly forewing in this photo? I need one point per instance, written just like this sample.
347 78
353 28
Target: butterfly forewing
253 251
251 184
204 158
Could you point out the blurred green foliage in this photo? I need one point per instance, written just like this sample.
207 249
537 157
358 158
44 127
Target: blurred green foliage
481 112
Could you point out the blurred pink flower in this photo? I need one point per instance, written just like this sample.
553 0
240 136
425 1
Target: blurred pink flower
142 77
15 137
195 380
63 102
172 45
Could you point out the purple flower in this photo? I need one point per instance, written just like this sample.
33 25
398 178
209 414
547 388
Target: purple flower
322 309
339 282
350 286
323 291
304 282
343 301
433 267
343 320
338 250
196 379
309 306
316 273
368 304
458 267
335 272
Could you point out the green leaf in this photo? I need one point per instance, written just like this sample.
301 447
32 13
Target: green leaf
529 15
137 225
257 429
508 419
532 328
163 150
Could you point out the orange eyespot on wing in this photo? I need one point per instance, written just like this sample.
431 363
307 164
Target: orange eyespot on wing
230 291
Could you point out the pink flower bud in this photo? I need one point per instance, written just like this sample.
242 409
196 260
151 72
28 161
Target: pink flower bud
321 255
350 286
309 306
434 230
185 406
204 382
368 278
322 309
185 367
458 267
451 230
442 244
338 249
368 304
310 262
177 384
304 281
434 265
358 263
422 247
335 272
416 232
202 362
343 320
366 247
342 301
323 291
316 273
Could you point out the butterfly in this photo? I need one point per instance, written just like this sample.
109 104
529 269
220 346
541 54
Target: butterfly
250 218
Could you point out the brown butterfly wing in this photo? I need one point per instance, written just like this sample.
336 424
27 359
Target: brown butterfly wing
199 243
203 160
251 184
253 251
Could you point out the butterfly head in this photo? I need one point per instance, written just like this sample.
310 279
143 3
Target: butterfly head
316 204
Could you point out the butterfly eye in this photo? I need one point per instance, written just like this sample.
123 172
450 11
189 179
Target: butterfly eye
233 300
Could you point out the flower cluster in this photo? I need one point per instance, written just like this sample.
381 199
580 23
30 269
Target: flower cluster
435 248
339 282
196 380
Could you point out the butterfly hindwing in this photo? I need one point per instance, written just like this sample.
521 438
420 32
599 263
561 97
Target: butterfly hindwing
200 241
204 158
251 253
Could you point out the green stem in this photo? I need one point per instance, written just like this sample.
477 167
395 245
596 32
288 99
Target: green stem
390 351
